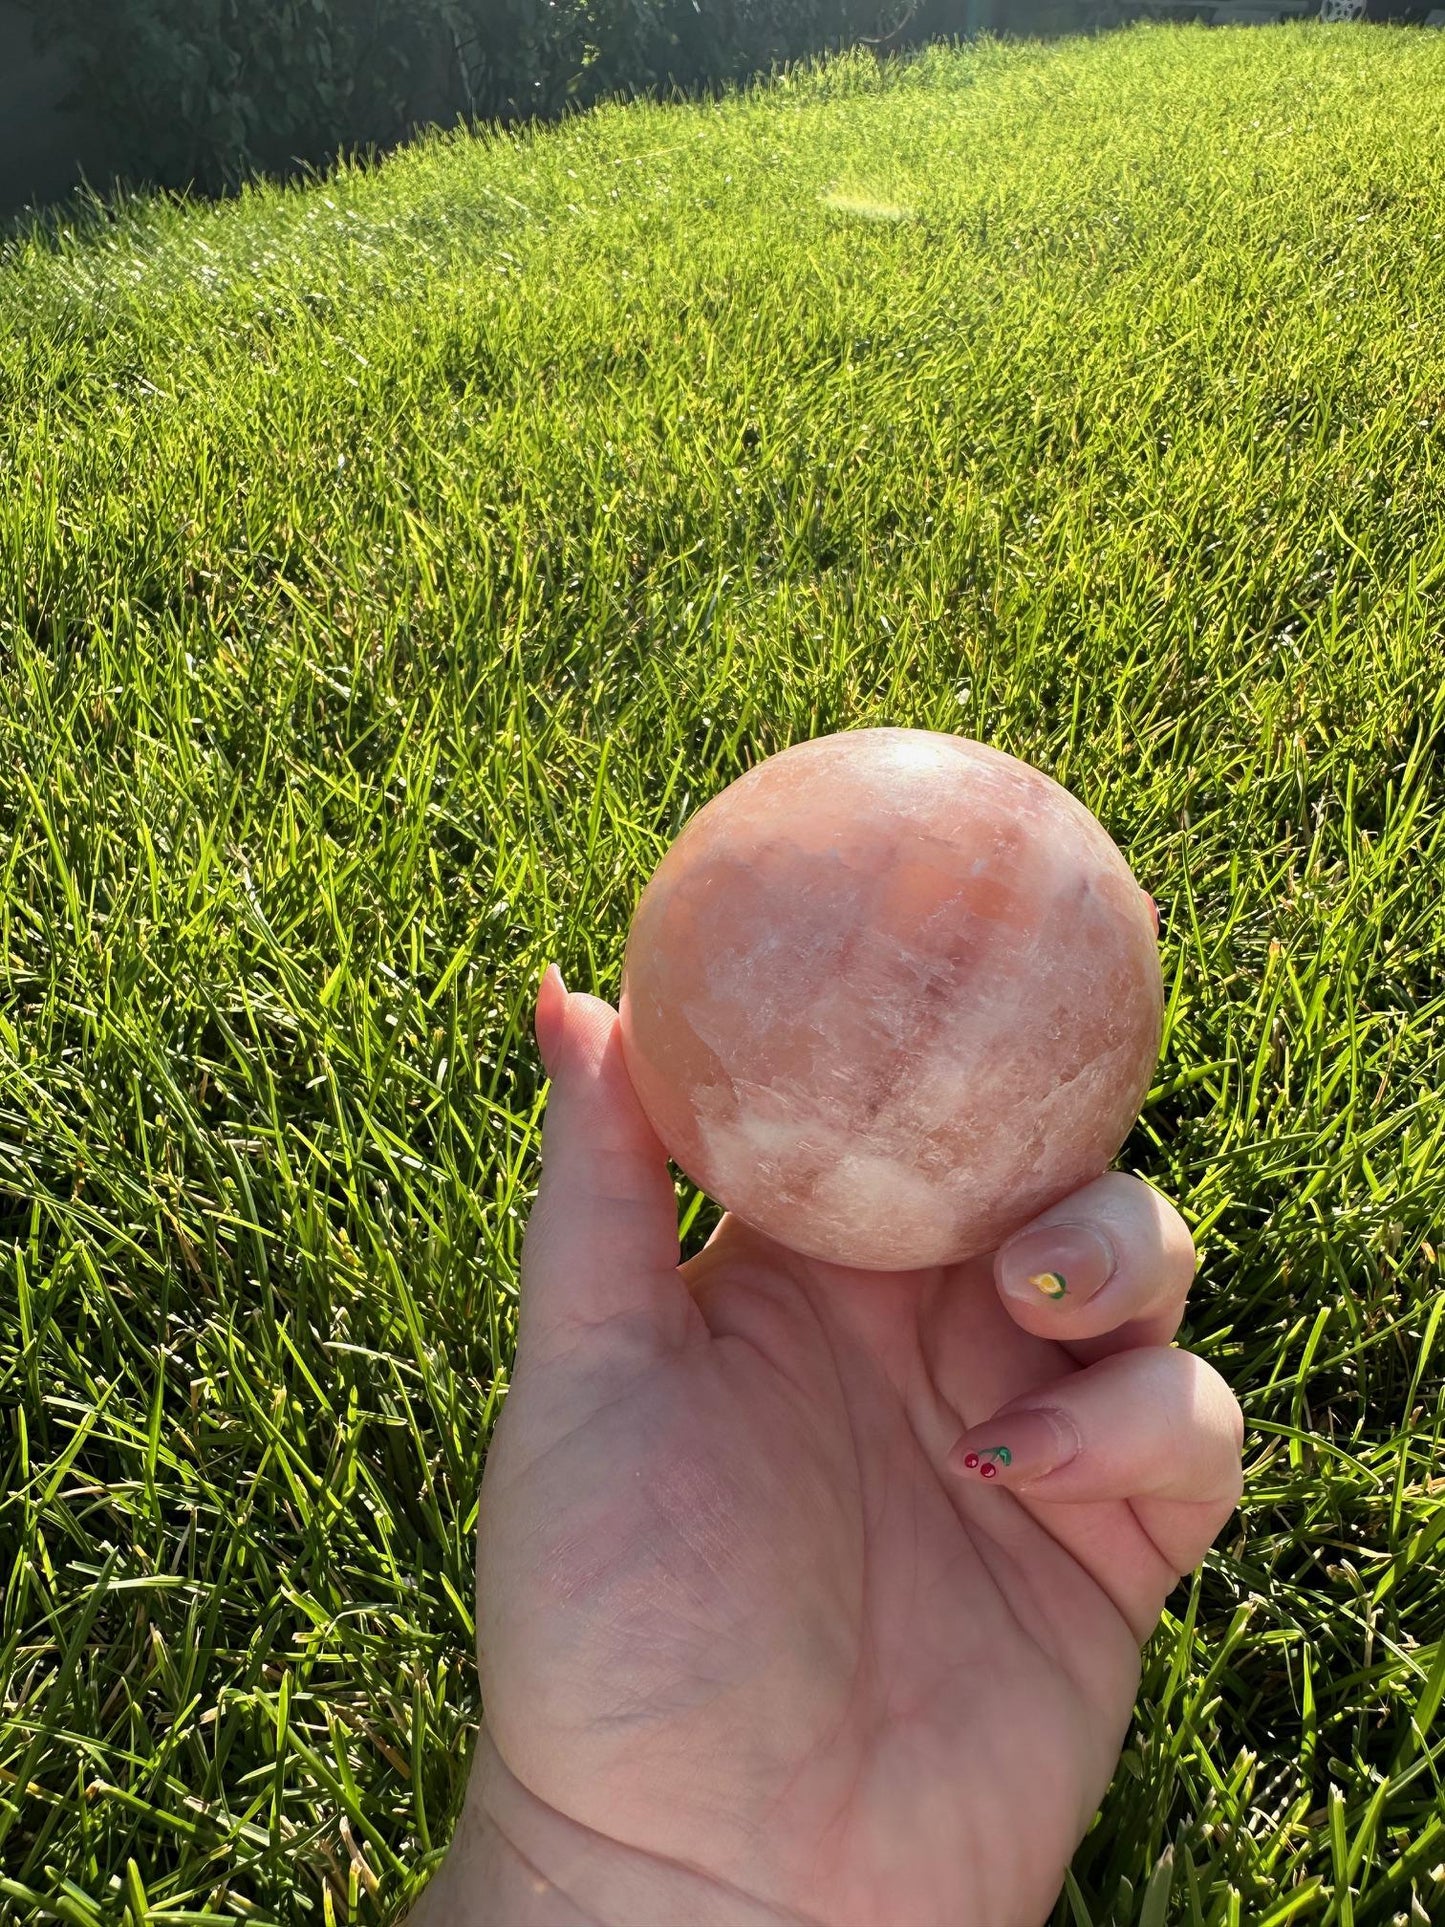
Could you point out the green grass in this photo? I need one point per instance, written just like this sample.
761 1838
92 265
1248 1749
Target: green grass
389 567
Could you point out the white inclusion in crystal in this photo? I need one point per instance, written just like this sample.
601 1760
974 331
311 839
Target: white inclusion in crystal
714 1025
737 1151
966 1070
873 1204
754 1140
881 1203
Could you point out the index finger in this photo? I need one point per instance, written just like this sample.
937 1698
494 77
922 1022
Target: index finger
1105 1270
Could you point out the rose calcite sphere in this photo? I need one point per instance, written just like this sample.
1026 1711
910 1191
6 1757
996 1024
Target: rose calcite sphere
891 994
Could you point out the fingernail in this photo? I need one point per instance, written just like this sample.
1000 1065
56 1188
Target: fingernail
1153 911
1056 1263
1014 1447
549 1017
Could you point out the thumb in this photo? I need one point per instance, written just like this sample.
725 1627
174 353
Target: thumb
601 1246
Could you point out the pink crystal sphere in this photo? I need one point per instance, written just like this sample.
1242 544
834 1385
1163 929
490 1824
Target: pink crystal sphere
889 995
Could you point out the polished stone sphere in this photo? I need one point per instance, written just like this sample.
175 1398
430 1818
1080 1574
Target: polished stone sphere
889 995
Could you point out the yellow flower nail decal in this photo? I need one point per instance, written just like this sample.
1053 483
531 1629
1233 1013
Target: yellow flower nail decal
1051 1283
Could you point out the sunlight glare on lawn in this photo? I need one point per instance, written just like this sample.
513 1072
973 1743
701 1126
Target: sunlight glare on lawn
867 207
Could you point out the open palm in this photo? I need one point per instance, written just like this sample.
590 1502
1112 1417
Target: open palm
742 1609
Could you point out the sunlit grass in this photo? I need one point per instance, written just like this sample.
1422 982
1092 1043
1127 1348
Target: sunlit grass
387 569
866 206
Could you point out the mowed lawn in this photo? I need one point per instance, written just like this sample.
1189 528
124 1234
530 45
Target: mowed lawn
388 568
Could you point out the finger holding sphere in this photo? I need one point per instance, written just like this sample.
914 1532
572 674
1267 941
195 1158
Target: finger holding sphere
1156 1427
1106 1269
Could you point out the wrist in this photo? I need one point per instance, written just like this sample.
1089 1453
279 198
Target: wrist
489 1879
516 1862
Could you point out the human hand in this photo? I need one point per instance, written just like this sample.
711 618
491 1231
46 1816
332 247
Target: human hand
756 1643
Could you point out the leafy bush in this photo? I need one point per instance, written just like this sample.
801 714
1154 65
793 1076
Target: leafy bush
205 91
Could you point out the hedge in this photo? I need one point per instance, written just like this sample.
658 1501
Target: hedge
204 92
